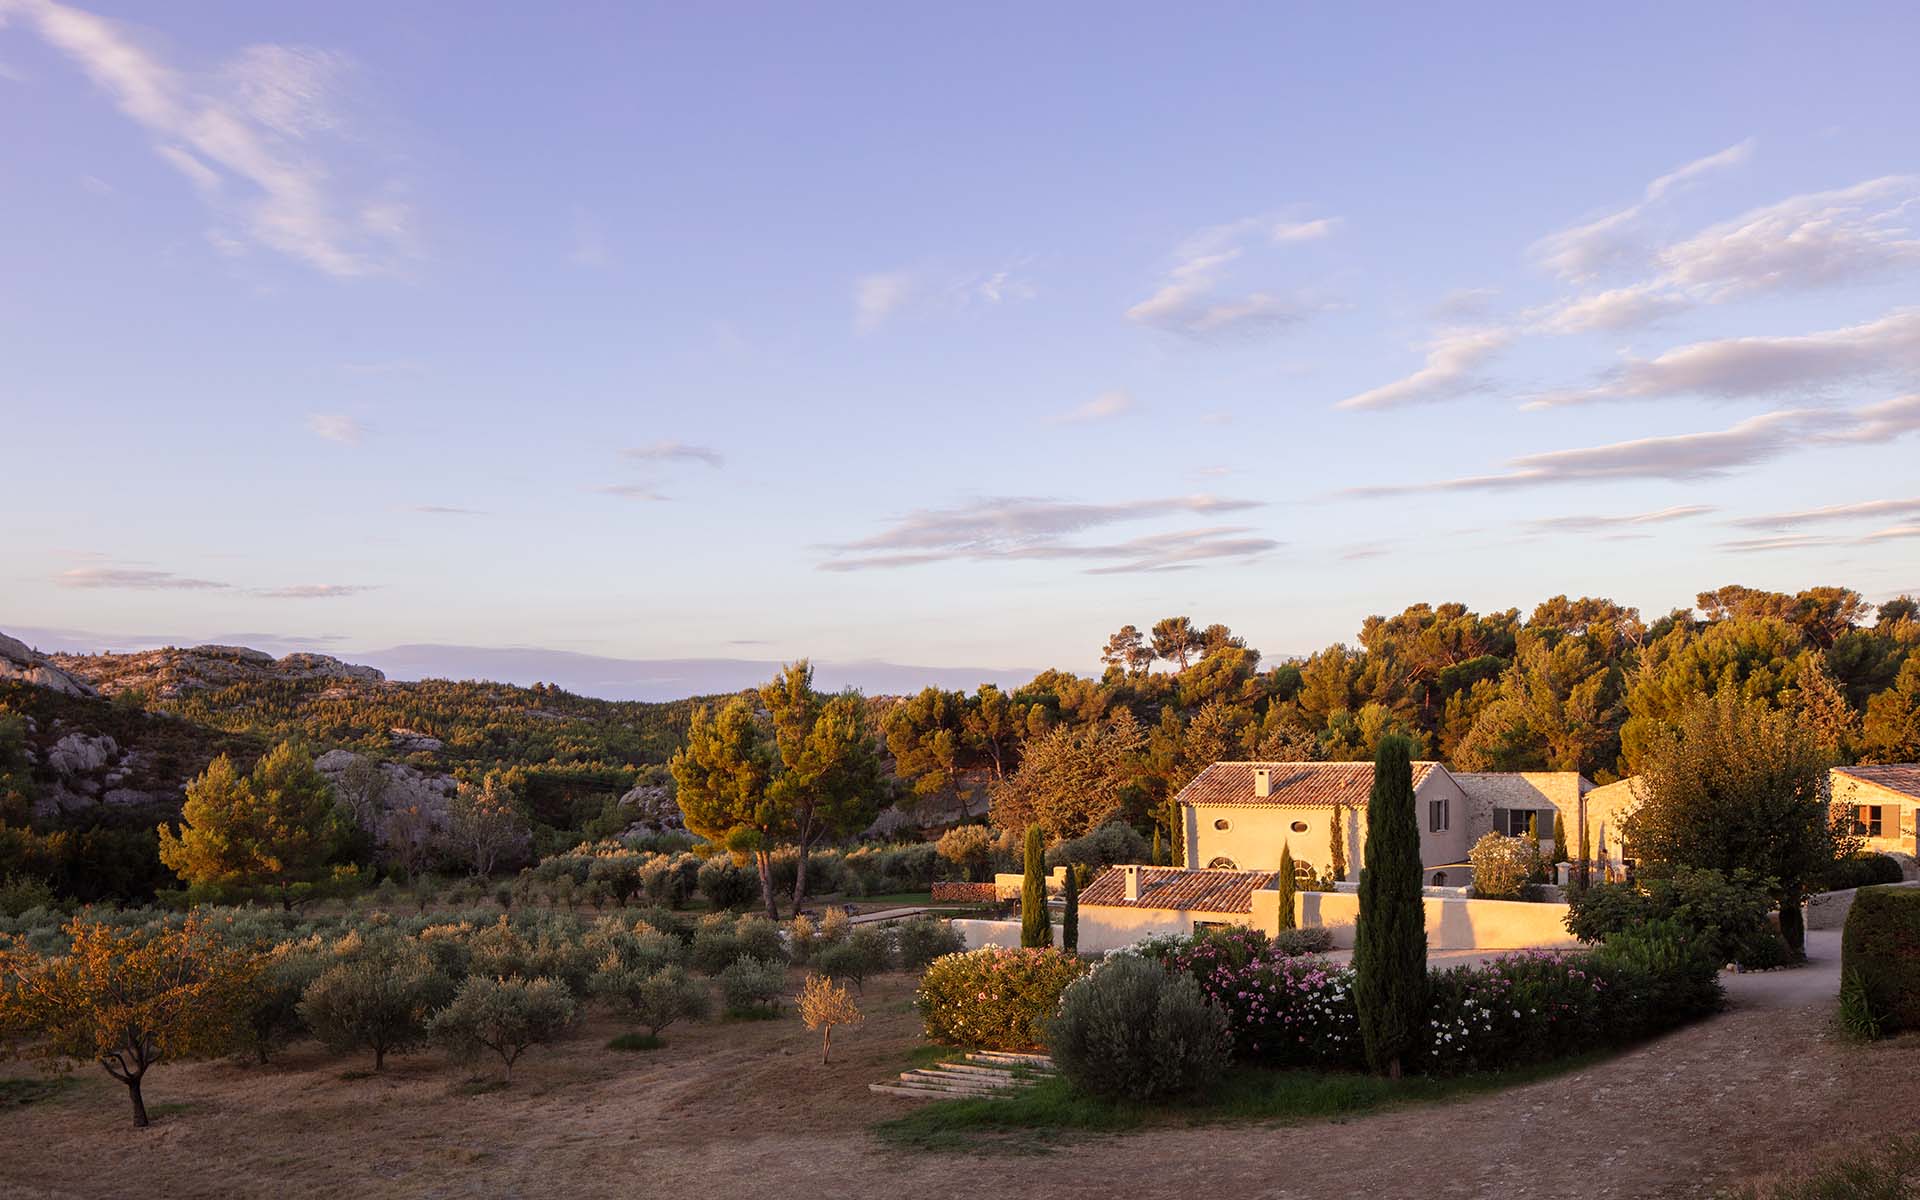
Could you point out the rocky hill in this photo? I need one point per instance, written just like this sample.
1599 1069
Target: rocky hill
171 672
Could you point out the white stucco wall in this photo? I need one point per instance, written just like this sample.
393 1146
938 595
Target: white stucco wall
1452 924
1256 832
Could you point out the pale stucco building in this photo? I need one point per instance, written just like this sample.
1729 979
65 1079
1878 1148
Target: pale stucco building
1886 805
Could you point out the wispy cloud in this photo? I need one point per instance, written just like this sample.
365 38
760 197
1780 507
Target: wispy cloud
1613 241
1002 528
1613 310
315 591
1732 368
248 137
1192 298
337 427
1859 510
1597 523
1451 370
134 578
1102 407
880 297
631 491
1817 240
669 450
445 510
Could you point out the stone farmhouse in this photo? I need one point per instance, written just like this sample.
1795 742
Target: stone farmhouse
1886 806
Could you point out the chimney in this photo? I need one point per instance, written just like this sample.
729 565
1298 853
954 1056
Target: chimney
1263 781
1133 883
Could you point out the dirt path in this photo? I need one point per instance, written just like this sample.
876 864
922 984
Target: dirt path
746 1110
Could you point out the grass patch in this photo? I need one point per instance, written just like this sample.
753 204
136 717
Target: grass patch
894 900
1890 1173
1050 1113
637 1041
481 1086
751 1014
18 1093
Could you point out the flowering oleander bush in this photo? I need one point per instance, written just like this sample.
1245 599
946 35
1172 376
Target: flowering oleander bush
1520 1008
996 999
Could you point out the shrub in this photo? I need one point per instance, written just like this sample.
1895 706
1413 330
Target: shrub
273 1001
725 885
1880 947
923 939
504 1016
861 953
1109 844
994 999
752 986
834 924
714 950
20 893
1520 1008
1860 870
801 934
1726 915
1131 1031
1503 866
1310 939
1281 1011
656 999
1656 976
760 938
969 848
377 997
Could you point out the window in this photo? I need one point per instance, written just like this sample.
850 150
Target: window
1299 826
1223 823
1439 879
1870 820
1513 822
1303 875
1222 864
1439 815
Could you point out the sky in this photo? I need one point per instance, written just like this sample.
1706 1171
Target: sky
953 336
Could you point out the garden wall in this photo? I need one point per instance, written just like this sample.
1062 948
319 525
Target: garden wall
1452 924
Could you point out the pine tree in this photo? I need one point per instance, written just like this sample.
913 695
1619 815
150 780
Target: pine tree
1070 916
1390 942
1287 887
1338 871
1036 928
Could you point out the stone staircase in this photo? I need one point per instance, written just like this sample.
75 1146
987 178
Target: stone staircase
983 1075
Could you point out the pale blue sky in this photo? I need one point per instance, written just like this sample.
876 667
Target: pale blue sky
953 336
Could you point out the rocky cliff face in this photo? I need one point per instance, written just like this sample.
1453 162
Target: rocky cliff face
18 661
171 672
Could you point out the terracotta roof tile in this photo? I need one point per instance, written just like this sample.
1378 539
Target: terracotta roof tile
1294 785
1179 888
1897 777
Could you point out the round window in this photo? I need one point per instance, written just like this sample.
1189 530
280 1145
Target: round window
1223 823
1299 826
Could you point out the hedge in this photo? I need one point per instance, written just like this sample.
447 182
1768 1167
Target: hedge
965 893
1881 948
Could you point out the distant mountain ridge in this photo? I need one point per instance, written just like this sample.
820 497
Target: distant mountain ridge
600 676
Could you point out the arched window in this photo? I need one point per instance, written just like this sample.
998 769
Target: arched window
1439 879
1303 874
1222 864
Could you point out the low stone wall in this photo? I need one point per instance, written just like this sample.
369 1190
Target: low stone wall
1009 884
1452 924
1004 934
965 893
1828 910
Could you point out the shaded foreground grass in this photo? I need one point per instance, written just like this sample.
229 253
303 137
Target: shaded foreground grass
1051 1113
1889 1173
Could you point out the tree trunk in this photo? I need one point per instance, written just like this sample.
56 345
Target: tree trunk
139 1105
800 878
379 1058
1793 925
764 860
826 1047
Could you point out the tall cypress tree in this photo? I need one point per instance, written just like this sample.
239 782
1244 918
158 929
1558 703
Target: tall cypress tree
1580 877
1339 844
1559 838
1286 886
1155 860
1390 943
1070 915
1036 927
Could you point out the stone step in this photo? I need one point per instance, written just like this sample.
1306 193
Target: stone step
927 1093
1002 1059
957 1083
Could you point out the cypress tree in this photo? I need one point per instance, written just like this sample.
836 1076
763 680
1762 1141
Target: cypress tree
1070 916
1339 838
1155 860
1286 886
1580 878
1390 942
1036 927
1559 838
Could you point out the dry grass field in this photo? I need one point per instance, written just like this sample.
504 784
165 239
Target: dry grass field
746 1106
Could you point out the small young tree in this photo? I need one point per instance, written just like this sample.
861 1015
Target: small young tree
377 996
504 1016
1583 865
1559 838
1533 836
1070 914
1390 940
272 1008
824 1004
1036 925
1155 860
1338 845
126 999
1287 887
656 999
